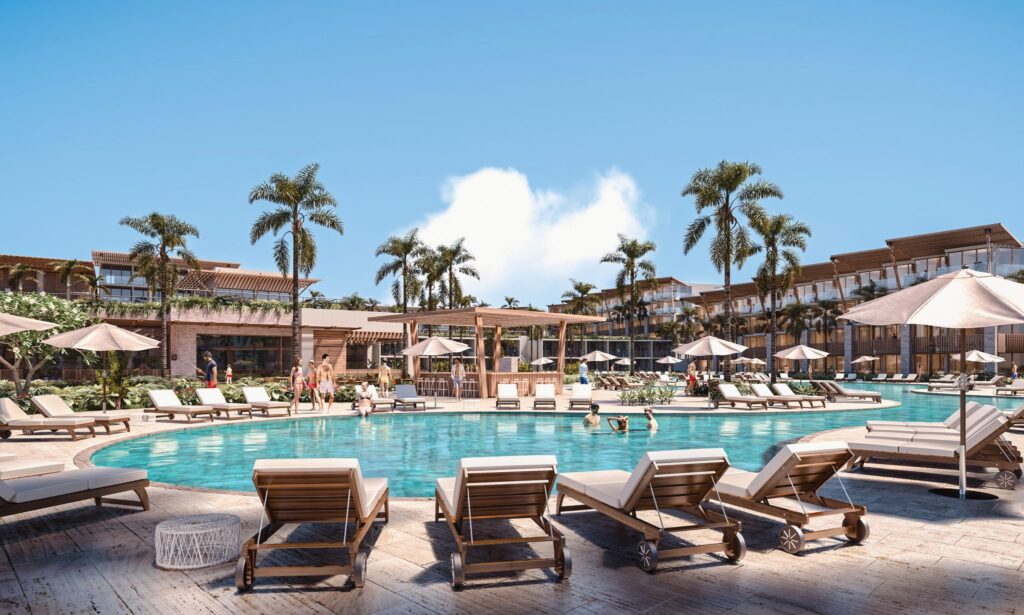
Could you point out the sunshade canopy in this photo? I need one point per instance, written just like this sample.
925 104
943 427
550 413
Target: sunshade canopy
597 355
10 324
864 359
748 361
709 346
978 356
801 353
542 361
102 337
433 347
623 361
964 299
669 360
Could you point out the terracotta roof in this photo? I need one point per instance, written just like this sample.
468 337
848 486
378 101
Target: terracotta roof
121 258
35 261
490 317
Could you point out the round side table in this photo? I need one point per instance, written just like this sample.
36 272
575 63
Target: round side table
197 541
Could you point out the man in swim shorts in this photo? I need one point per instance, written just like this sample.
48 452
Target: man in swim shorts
325 376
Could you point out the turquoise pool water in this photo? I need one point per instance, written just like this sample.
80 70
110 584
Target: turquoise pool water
412 449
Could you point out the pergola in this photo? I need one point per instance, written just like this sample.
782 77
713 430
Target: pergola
482 317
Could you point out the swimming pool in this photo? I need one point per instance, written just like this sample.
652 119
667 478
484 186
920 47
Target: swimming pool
413 449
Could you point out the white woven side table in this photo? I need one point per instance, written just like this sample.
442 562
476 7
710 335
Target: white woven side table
197 541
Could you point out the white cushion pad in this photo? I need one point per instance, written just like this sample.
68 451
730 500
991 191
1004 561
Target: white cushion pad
24 467
736 482
100 477
20 490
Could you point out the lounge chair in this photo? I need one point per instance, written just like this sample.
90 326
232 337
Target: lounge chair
783 389
386 404
762 390
731 395
406 397
896 378
1017 386
13 418
54 407
30 493
784 376
624 383
880 378
295 491
840 377
214 398
13 467
910 378
545 397
500 488
948 385
259 399
795 474
951 422
834 391
986 448
582 396
683 480
508 395
167 404
994 381
977 418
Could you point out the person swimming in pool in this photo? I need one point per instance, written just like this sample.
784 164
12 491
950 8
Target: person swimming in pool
652 423
619 423
591 419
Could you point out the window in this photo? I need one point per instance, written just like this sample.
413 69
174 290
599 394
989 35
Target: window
261 355
118 275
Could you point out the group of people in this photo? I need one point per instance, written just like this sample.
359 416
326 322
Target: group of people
319 379
619 424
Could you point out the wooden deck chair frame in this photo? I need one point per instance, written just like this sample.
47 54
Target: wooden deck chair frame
315 497
501 402
545 402
97 495
804 475
502 494
684 486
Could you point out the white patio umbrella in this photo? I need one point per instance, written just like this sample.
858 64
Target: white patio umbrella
863 359
10 324
623 361
709 346
103 338
977 356
801 353
597 355
669 360
434 347
542 361
963 299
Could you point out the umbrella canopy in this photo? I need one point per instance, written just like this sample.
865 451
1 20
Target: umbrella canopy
102 338
801 353
669 360
542 361
864 359
977 356
434 347
9 324
709 346
597 355
623 361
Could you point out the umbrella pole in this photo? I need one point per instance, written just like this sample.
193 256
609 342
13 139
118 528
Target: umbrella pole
963 418
103 372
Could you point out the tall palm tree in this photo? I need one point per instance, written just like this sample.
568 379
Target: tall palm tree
433 287
511 303
781 236
731 194
299 201
825 317
372 305
795 319
404 251
629 255
94 282
673 329
580 299
456 259
66 271
167 240
17 273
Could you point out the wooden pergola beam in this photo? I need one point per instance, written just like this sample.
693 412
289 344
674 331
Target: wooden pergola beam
481 358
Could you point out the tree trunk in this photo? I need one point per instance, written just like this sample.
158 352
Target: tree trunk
165 356
771 334
629 318
727 281
296 350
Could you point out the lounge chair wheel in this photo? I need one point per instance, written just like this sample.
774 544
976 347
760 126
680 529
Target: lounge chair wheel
565 571
860 532
791 539
359 570
647 555
243 574
1019 473
737 548
458 577
4 435
1006 480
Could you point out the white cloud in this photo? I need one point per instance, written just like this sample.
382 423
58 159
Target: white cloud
529 242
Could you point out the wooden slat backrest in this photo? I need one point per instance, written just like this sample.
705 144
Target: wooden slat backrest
676 484
293 497
505 494
806 472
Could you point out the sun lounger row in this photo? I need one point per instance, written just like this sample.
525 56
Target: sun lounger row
764 396
834 391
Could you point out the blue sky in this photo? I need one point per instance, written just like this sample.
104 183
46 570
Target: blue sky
562 122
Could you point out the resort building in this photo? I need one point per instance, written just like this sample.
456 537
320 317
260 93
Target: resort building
824 290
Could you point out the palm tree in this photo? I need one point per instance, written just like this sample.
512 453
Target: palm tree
168 239
372 305
299 200
726 191
511 303
66 271
795 318
629 255
434 285
17 273
455 260
825 315
94 282
404 251
780 236
580 299
673 329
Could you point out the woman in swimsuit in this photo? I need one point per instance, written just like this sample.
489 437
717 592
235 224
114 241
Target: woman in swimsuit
314 392
384 378
296 382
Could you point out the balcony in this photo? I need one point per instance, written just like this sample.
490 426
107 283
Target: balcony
876 347
947 344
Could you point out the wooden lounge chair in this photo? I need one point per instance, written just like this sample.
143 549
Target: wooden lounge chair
214 398
910 378
508 395
948 385
405 397
609 384
833 391
986 448
167 404
582 396
499 488
54 407
13 418
13 467
784 376
377 403
977 418
880 378
38 492
795 474
731 395
994 381
544 397
295 491
1017 386
762 390
259 400
951 422
896 378
662 480
840 377
783 389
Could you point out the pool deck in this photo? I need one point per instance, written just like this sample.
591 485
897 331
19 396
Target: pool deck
926 554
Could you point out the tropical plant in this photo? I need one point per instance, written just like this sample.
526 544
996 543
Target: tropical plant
781 237
825 317
870 291
372 305
17 273
299 201
434 285
731 194
95 284
153 258
795 318
633 267
455 260
67 273
1017 276
404 251
581 300
511 303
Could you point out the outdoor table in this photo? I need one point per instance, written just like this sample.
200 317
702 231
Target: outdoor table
197 541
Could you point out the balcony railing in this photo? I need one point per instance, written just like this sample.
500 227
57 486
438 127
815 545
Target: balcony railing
876 347
947 343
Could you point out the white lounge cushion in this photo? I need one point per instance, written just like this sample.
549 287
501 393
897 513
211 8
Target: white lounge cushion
770 474
327 465
211 396
8 456
164 398
582 392
602 485
11 411
507 391
446 487
52 405
875 446
32 488
100 477
736 482
258 396
929 449
545 391
695 455
19 468
497 463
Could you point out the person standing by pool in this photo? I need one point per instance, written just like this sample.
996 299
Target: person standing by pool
296 382
384 377
458 377
313 386
584 372
228 375
691 379
325 374
591 419
209 370
652 423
